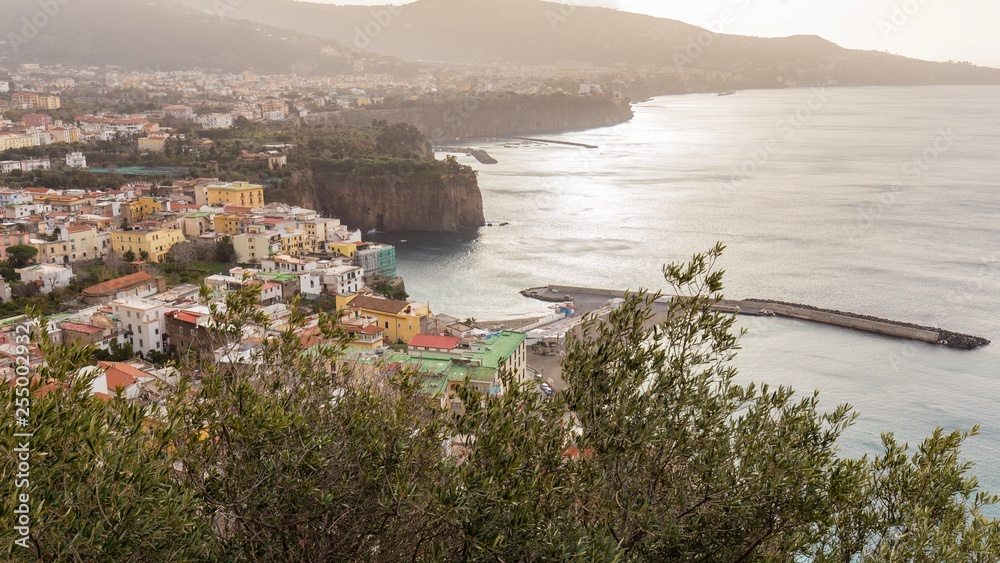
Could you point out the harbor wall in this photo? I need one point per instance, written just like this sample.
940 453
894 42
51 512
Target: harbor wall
867 325
763 307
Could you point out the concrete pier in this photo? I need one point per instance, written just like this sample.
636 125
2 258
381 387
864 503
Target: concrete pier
479 154
589 299
551 142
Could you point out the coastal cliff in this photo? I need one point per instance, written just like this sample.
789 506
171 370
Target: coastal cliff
380 176
415 196
494 116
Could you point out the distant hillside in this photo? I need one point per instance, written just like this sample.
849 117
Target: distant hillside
161 35
533 32
499 115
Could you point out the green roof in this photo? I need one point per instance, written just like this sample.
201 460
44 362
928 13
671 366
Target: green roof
13 320
499 347
440 369
276 276
197 215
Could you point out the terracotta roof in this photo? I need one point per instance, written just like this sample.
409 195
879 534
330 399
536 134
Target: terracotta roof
186 316
118 284
120 374
371 329
78 228
80 327
434 341
379 304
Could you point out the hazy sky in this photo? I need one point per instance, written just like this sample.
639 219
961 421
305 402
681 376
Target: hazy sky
927 29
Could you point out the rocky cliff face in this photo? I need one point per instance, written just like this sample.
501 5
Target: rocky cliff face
402 200
502 116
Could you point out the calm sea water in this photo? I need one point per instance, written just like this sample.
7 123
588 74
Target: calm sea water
883 201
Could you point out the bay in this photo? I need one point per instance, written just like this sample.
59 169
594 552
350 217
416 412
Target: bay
882 201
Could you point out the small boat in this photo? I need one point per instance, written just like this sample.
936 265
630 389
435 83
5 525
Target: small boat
727 93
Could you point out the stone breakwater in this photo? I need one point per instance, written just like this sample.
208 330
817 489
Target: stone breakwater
943 337
589 299
482 156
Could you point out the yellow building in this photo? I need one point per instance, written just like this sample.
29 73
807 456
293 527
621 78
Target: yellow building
156 142
256 244
399 320
16 141
75 243
144 207
348 249
295 242
49 102
242 194
65 134
154 244
100 222
228 223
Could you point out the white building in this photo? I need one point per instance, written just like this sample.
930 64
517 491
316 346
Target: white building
4 86
215 121
287 265
117 378
76 160
25 165
142 320
341 233
14 197
273 115
5 294
48 276
128 125
19 210
179 112
333 280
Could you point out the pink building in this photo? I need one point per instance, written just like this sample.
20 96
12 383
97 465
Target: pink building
11 239
37 120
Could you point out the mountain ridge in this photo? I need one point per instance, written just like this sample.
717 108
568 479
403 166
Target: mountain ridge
540 33
162 35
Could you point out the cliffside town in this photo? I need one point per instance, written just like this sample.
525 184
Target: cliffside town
289 259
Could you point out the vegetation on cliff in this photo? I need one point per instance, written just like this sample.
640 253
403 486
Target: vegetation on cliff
654 453
381 177
377 176
496 115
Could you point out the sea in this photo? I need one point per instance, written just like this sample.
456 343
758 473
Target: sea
882 201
